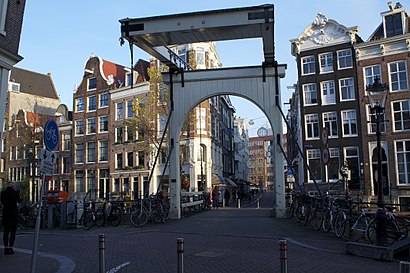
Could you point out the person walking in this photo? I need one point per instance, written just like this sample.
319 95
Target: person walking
9 199
227 196
215 198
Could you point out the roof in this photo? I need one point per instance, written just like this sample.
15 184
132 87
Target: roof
34 83
142 68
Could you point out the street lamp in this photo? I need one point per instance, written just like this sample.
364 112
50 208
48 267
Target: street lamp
377 93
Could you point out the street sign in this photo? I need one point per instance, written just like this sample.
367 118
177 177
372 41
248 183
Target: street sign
51 135
325 156
325 136
47 161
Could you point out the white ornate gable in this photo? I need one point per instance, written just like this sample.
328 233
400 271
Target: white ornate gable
324 32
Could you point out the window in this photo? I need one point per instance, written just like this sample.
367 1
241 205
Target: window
403 161
344 59
398 76
118 134
182 54
103 150
200 56
91 126
130 77
308 65
92 103
66 165
328 92
346 89
79 127
393 24
118 161
130 157
79 181
201 119
310 94
349 123
401 115
326 62
333 165
130 132
120 111
79 153
104 100
352 157
92 84
330 122
79 105
312 126
371 121
3 16
130 112
90 180
66 141
370 73
91 152
140 159
313 160
103 124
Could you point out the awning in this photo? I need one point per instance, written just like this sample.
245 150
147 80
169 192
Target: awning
217 180
230 182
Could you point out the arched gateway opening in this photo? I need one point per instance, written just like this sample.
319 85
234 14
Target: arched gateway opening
187 88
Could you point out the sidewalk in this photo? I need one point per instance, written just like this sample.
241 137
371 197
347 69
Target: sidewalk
226 240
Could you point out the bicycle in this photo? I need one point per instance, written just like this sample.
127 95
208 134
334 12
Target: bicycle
113 217
396 227
88 217
354 227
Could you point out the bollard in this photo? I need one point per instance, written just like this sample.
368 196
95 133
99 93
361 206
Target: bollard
239 203
257 204
101 243
404 267
283 246
180 255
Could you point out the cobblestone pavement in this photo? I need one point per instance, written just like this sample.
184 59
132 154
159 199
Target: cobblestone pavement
224 240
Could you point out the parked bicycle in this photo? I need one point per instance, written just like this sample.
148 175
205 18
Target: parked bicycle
110 214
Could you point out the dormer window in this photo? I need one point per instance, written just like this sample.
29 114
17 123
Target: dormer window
393 24
15 87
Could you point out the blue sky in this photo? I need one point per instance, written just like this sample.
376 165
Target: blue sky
59 36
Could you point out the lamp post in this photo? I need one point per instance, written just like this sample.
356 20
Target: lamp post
377 93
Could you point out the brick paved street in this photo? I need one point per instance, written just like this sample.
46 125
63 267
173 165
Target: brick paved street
224 240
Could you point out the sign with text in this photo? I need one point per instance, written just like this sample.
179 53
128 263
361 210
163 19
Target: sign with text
48 160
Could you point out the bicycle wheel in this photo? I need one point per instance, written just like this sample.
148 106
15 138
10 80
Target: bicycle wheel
299 213
327 220
165 213
371 231
115 217
88 220
393 234
139 217
290 211
340 218
99 218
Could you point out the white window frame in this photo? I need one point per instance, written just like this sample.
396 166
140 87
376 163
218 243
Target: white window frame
129 109
400 74
200 51
370 125
101 101
400 112
89 109
101 150
91 160
201 119
161 122
349 89
330 119
88 84
89 121
77 104
3 14
307 62
349 120
307 94
310 126
405 164
313 154
117 116
370 73
326 62
328 87
100 128
344 58
77 122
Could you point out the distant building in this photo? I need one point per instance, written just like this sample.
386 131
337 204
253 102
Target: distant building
241 143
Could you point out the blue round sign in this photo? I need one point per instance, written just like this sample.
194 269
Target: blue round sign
51 135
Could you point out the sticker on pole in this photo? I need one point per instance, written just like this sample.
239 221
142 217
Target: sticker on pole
325 156
51 135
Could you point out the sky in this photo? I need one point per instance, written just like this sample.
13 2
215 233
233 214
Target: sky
58 37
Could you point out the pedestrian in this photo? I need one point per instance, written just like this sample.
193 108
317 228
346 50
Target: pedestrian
227 196
9 199
215 197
